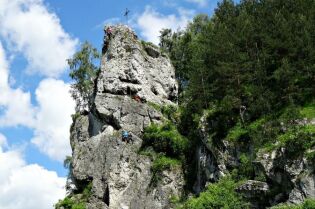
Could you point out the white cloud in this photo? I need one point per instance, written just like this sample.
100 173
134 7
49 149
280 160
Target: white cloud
150 22
31 29
16 103
53 118
201 3
3 141
27 186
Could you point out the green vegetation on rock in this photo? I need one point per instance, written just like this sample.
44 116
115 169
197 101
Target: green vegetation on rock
308 204
165 139
218 195
83 70
76 200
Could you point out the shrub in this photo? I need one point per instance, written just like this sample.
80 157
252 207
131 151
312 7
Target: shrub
246 168
165 139
219 195
69 203
236 133
297 140
76 201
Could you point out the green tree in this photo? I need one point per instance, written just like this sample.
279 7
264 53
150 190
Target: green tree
83 70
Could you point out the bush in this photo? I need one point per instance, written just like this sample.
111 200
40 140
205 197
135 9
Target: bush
69 203
219 195
165 139
76 201
236 133
297 140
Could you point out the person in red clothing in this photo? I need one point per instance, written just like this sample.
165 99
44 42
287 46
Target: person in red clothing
137 98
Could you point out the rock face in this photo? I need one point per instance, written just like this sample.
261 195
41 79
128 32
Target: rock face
130 67
294 179
254 191
132 76
287 180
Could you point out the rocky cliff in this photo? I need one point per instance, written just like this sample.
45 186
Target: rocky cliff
133 75
108 172
279 176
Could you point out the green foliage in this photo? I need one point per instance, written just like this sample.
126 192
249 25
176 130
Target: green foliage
165 139
87 191
298 140
67 162
79 206
83 71
148 44
164 163
245 168
170 112
236 133
76 201
166 146
160 164
246 65
154 105
69 203
75 116
218 195
308 111
308 204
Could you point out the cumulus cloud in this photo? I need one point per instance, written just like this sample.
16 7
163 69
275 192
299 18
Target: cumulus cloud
15 103
3 141
27 186
150 22
31 29
201 3
53 118
50 120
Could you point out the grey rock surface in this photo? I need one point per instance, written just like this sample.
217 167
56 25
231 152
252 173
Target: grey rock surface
295 178
289 180
254 191
135 69
132 76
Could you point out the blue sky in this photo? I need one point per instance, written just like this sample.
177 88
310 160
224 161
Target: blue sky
36 37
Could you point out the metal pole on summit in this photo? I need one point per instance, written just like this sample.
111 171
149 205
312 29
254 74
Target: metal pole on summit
126 14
